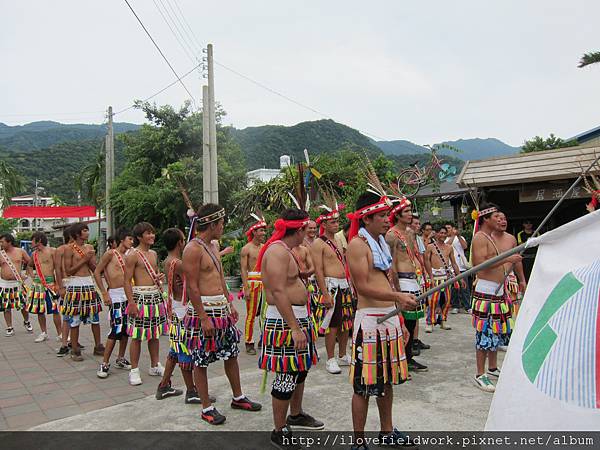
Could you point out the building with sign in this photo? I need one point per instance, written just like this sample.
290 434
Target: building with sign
526 186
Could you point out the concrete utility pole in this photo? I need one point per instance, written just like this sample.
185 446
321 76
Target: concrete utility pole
214 177
206 192
110 174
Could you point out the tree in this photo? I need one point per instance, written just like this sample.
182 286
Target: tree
11 183
539 144
7 225
589 58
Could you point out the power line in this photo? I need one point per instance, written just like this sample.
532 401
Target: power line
161 91
197 41
160 51
190 56
198 50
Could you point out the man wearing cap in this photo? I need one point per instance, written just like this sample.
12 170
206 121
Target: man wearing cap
251 280
210 319
335 309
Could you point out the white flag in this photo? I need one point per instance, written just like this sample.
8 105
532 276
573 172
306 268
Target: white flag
551 374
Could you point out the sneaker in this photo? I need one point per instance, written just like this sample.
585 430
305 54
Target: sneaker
416 351
454 311
81 346
428 328
304 421
134 377
213 417
42 337
484 383
395 439
246 404
344 360
157 371
445 326
99 350
58 338
503 348
103 370
283 440
122 363
63 351
415 366
28 326
192 398
422 345
493 373
163 392
9 332
76 356
332 366
250 349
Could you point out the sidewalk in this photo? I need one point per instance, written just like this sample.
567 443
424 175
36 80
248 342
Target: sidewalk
40 389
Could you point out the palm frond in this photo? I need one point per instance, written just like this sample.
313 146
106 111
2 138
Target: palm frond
589 58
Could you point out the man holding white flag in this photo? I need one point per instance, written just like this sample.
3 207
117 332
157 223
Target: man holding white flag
551 374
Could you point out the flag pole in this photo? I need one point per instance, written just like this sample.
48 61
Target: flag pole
501 256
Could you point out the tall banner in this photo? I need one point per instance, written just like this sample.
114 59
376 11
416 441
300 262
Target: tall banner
551 373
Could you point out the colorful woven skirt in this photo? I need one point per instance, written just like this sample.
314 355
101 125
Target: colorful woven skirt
253 302
178 350
81 298
490 316
378 356
224 342
41 300
341 316
118 313
438 300
151 320
410 285
278 353
11 295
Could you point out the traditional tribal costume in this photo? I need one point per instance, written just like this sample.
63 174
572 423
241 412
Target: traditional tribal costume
255 289
378 356
151 321
81 303
436 299
42 296
12 292
278 353
118 306
513 295
491 315
178 350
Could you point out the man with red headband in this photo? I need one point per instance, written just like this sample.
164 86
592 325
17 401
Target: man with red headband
335 312
209 322
378 358
251 280
407 270
289 337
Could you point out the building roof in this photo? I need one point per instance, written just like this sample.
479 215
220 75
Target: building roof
559 164
448 190
586 135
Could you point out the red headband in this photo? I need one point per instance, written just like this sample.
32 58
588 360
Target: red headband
253 228
335 214
404 203
384 204
281 226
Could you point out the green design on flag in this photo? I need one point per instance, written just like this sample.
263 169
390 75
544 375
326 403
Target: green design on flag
541 336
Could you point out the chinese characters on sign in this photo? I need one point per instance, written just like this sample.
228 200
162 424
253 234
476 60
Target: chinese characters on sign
549 193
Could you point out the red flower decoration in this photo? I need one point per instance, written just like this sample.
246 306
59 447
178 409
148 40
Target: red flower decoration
341 184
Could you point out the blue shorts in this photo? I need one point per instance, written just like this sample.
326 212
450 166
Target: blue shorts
75 321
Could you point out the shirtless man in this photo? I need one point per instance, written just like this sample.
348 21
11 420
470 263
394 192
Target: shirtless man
81 302
290 349
406 271
251 279
42 296
515 276
440 266
369 259
488 298
335 311
311 233
12 287
146 309
112 266
210 319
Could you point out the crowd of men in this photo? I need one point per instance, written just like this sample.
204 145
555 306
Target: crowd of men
309 279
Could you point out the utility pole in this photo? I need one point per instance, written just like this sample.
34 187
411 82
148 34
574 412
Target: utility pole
109 174
206 176
35 203
214 177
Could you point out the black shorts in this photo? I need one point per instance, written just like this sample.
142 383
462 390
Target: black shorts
285 384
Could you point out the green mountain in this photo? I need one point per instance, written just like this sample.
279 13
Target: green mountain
39 135
470 149
262 146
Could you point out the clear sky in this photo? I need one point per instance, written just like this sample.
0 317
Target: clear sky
421 71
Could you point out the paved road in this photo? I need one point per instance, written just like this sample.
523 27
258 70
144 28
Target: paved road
43 392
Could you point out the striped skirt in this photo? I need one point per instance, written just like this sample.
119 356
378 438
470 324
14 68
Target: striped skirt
151 320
